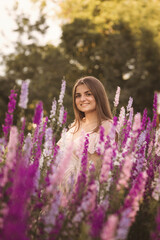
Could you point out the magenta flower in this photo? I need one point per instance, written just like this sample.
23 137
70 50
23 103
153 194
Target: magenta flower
12 101
96 221
38 113
9 116
64 117
154 122
16 221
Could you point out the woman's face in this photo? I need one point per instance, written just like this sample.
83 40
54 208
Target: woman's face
84 99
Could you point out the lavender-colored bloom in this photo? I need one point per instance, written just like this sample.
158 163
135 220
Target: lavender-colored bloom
61 114
53 110
38 113
27 148
116 99
24 94
50 216
57 228
131 115
87 204
48 145
124 225
63 88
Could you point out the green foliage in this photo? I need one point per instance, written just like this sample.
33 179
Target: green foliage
120 45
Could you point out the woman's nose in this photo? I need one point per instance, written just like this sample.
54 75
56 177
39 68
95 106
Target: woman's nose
83 98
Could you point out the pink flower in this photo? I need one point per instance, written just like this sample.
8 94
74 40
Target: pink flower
11 154
137 122
116 100
125 172
121 119
109 229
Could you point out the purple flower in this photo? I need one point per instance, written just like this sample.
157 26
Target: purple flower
38 113
53 110
48 145
97 221
24 94
61 114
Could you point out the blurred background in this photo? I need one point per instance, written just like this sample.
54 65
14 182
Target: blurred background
117 41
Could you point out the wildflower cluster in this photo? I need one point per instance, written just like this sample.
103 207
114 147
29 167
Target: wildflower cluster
107 201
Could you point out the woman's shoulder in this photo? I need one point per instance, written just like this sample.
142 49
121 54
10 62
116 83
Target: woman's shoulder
71 127
107 122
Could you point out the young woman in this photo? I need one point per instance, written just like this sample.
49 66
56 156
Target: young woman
91 110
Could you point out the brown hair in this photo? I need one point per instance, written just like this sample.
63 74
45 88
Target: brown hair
102 104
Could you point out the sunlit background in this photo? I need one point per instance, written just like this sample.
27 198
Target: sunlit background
45 40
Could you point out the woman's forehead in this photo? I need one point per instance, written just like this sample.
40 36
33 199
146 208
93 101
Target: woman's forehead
82 88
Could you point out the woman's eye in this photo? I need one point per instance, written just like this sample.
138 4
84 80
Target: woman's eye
77 96
88 94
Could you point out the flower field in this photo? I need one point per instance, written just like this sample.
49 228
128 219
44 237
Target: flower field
120 201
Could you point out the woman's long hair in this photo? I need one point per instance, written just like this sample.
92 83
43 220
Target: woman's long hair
102 104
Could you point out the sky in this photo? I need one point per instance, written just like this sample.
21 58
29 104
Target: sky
7 23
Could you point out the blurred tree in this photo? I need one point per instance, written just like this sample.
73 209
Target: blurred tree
45 66
118 42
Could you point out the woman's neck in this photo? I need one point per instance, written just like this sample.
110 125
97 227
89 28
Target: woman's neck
90 118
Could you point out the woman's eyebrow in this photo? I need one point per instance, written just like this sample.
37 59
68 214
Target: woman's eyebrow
84 92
